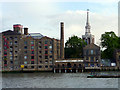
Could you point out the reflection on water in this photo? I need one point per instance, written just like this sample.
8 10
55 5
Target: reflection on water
57 80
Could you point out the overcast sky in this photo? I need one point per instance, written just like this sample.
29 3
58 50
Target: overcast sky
44 16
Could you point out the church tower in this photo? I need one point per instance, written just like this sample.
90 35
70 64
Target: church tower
88 37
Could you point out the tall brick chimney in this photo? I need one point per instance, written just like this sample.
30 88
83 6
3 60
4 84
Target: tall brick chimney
62 41
25 31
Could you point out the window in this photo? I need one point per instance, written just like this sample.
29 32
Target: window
86 58
32 52
40 56
32 42
50 51
5 57
91 65
91 52
96 58
40 66
15 52
119 57
92 59
25 62
11 68
5 53
5 48
25 47
25 57
46 57
11 46
15 57
5 62
15 38
63 65
15 42
10 43
74 66
50 42
98 65
16 48
32 57
25 52
46 66
46 47
86 65
50 61
25 42
32 47
32 66
46 52
51 66
50 56
86 52
32 62
16 62
7 38
80 65
11 38
40 61
39 47
11 57
46 42
96 52
39 51
57 47
11 62
58 65
5 43
50 47
25 66
46 61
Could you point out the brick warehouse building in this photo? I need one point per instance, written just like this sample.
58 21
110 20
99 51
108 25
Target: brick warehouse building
30 51
0 51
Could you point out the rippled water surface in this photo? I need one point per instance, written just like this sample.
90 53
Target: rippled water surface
56 80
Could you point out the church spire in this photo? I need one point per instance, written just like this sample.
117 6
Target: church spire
87 27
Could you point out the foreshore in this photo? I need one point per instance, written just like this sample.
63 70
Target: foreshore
34 71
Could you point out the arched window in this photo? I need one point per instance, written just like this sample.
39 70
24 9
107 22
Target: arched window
69 65
63 65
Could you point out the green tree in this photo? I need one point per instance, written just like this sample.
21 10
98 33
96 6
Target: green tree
110 42
74 47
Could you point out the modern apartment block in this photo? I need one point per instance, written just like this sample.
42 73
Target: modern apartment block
29 51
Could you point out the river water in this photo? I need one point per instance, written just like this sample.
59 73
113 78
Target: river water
56 80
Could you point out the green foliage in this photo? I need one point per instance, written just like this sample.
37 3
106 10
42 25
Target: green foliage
110 42
74 47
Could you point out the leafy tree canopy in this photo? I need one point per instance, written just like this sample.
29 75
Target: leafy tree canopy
110 42
74 47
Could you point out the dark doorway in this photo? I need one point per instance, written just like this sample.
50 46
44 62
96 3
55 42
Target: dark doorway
69 65
63 66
